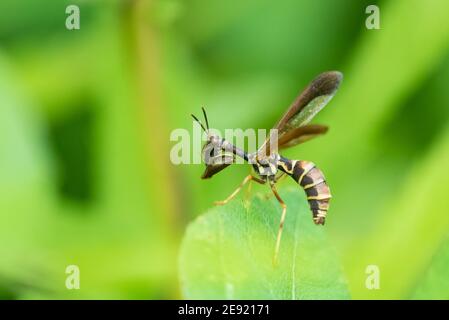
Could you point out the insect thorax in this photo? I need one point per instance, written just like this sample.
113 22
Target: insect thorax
265 166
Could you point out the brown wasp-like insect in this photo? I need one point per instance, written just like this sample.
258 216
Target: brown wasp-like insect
268 164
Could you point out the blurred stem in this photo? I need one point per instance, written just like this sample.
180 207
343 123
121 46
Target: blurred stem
143 44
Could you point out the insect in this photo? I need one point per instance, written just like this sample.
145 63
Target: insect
268 165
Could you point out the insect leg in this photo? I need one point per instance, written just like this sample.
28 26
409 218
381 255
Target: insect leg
280 177
281 225
236 191
248 190
274 180
260 181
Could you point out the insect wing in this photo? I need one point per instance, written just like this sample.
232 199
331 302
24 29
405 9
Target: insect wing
311 101
300 135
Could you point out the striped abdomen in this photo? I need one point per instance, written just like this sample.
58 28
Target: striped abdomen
312 180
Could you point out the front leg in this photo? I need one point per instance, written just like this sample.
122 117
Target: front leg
236 191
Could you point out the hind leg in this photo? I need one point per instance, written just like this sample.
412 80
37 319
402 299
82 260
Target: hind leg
281 224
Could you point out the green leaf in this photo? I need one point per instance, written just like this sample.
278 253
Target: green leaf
227 253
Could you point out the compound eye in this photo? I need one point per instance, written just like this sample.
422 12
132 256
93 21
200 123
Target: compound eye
212 152
209 153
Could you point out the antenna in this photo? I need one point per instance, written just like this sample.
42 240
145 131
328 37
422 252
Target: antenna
205 118
196 119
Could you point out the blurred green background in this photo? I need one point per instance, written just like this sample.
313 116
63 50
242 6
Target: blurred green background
86 115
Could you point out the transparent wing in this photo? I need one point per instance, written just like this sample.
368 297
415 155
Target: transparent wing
311 101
